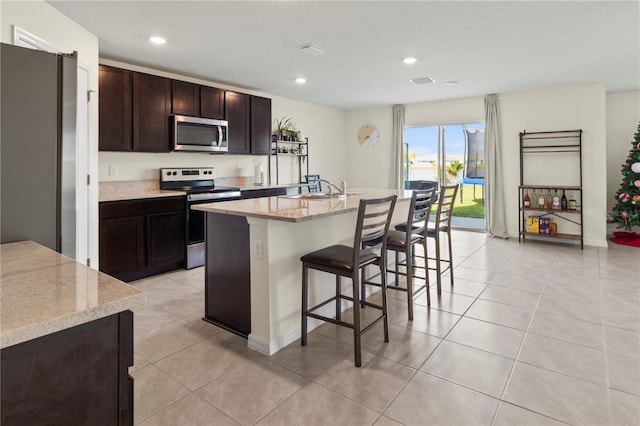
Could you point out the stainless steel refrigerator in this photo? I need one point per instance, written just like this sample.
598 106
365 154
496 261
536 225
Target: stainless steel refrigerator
38 146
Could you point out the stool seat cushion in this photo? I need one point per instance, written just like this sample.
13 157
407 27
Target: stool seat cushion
397 239
338 256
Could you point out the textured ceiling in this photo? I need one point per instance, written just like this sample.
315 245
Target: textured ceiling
489 47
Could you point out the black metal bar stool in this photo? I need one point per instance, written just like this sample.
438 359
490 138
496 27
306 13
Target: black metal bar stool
374 217
405 242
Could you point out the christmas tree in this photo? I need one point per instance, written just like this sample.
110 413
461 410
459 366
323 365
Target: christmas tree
627 210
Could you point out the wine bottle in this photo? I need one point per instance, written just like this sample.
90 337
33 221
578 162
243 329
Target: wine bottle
549 200
555 203
563 201
534 199
527 200
572 203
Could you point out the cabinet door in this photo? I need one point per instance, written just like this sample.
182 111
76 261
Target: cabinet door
151 106
185 98
237 108
115 109
166 244
122 245
211 102
260 125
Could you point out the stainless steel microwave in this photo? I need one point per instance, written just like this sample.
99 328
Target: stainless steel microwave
199 134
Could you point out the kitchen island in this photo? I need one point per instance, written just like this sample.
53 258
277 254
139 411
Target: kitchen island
66 340
253 270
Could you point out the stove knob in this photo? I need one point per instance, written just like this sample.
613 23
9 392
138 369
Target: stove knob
168 173
175 173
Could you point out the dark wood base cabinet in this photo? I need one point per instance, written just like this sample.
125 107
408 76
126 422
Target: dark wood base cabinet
228 273
77 376
140 238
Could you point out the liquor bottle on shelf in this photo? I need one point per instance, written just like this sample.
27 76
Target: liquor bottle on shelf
534 199
555 203
527 200
549 200
541 200
563 201
572 203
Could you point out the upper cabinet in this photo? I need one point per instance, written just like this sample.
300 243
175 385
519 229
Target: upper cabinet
151 109
211 102
115 109
185 98
135 110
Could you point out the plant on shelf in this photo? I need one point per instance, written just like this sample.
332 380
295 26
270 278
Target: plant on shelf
285 129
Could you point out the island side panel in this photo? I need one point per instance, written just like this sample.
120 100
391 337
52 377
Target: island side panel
227 273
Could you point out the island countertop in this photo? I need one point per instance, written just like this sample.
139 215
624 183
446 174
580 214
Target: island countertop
43 292
289 209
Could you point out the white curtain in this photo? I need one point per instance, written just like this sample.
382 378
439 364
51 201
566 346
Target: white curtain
496 219
398 146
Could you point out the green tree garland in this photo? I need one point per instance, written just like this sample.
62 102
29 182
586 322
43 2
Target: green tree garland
627 210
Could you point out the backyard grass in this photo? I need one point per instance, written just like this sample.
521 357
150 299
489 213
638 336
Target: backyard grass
471 206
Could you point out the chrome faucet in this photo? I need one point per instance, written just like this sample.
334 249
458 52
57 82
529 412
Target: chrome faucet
342 188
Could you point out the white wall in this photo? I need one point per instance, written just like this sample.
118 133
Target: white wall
323 126
623 116
47 23
553 108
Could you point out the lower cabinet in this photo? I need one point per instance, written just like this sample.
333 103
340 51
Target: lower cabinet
77 376
140 238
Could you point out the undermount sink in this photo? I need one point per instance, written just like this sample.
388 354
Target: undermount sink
319 196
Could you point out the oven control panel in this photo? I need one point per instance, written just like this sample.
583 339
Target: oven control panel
176 175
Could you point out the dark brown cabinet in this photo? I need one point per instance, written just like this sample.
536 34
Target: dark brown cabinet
115 109
140 238
211 102
77 376
185 98
260 125
151 109
237 110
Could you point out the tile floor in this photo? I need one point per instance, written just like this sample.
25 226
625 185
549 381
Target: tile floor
530 334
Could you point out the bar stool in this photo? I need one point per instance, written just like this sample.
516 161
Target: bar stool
447 198
374 217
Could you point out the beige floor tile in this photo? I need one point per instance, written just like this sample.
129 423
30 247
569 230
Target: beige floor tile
569 329
624 373
153 391
575 360
512 415
316 405
571 308
344 334
623 342
561 290
532 282
373 385
473 274
446 301
393 304
485 264
147 317
189 411
427 320
310 360
406 346
190 305
428 400
510 296
489 337
138 362
265 385
197 365
472 368
465 288
165 291
622 310
166 340
499 313
386 421
558 396
625 409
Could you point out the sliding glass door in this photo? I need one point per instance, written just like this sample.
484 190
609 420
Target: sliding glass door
449 154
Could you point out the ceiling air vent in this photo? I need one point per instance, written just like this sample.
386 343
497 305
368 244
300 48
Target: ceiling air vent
422 80
312 49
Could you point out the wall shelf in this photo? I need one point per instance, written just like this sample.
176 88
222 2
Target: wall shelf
297 151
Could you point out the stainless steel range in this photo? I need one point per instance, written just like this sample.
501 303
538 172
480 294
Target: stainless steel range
199 185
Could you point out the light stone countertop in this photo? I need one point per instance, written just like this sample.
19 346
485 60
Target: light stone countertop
134 190
298 210
42 292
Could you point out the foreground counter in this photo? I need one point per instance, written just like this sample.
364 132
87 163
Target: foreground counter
253 270
66 340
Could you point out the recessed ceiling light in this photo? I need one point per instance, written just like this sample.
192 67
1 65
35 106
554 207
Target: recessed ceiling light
301 80
422 80
157 40
409 60
451 83
312 49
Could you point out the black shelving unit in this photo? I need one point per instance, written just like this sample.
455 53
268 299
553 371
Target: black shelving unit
298 150
549 144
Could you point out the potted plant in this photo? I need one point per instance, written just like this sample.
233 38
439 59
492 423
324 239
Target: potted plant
283 127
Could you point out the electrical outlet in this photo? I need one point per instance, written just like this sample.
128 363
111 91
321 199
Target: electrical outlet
113 170
259 249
